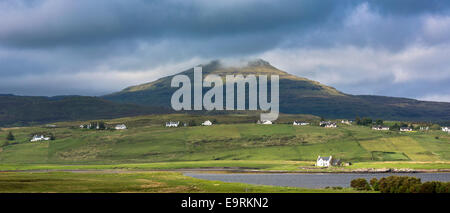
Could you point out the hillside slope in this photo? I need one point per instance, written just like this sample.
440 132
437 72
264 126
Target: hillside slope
297 96
147 140
23 110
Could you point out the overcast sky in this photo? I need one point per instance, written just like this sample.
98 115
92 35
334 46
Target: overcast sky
393 48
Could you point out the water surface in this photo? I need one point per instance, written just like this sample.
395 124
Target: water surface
320 180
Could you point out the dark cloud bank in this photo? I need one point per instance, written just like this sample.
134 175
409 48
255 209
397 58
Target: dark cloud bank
395 48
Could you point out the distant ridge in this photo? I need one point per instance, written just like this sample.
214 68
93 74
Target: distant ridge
25 110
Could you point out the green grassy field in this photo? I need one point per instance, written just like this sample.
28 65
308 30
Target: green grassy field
134 160
149 182
147 141
230 165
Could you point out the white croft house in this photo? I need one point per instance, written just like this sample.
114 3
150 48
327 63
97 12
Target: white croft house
300 123
172 124
327 161
446 129
406 129
266 122
380 128
207 123
346 122
120 126
331 125
327 124
424 128
39 138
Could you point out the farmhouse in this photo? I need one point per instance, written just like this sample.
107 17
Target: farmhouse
172 124
300 123
39 138
446 129
207 123
331 125
327 161
266 122
406 129
327 124
424 128
380 128
346 122
120 127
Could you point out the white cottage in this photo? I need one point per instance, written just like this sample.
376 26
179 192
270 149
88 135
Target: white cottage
266 122
346 122
207 123
406 129
327 124
424 128
327 161
446 129
39 138
172 124
331 125
382 128
299 123
120 126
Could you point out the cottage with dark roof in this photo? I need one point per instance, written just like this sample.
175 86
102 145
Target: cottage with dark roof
406 129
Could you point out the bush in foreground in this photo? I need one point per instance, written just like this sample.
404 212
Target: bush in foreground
401 184
360 184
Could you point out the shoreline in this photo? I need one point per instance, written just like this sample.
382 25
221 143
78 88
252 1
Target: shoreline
237 171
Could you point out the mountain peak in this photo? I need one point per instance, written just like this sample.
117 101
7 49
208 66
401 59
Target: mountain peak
258 63
159 91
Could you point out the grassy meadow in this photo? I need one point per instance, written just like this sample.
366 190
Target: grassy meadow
234 139
148 182
142 158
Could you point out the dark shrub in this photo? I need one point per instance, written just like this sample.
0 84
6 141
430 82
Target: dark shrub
404 184
444 188
398 184
10 136
360 184
434 187
374 184
427 187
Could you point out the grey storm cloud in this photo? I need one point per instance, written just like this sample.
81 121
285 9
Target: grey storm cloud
53 23
96 47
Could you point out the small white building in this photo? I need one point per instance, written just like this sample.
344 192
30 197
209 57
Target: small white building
327 124
327 161
266 122
299 123
424 128
346 122
323 161
207 123
120 126
172 124
331 125
446 129
382 128
39 138
406 129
